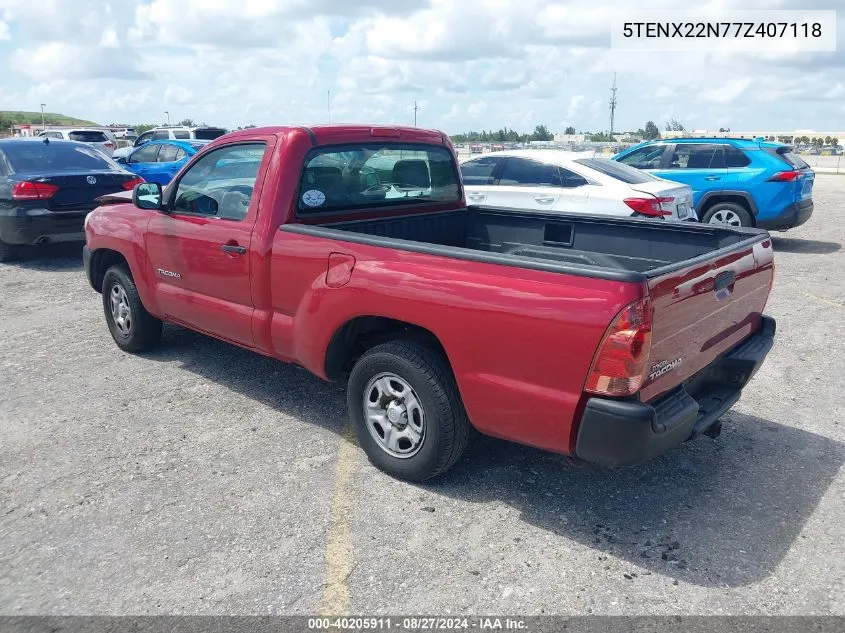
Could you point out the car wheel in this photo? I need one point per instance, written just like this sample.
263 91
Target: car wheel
8 252
728 214
407 412
131 326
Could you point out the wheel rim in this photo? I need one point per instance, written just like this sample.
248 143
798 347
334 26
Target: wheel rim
394 415
120 310
727 217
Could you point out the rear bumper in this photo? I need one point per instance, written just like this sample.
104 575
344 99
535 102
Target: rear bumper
626 432
41 226
794 215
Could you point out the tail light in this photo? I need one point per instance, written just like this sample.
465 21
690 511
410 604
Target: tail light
109 144
129 185
621 362
786 176
652 207
29 190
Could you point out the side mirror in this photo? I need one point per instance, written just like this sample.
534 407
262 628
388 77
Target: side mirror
147 195
120 160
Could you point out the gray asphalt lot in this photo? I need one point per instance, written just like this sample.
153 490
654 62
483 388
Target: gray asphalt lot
201 478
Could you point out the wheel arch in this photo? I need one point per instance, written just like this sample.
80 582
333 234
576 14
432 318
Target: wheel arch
358 334
727 195
101 260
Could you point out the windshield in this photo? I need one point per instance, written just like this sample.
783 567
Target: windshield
374 175
29 157
625 173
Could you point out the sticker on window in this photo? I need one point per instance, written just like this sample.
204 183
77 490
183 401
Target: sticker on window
314 198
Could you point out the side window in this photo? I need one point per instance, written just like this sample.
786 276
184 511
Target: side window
521 172
146 136
180 154
479 171
648 157
4 171
182 134
146 154
694 156
161 135
167 153
570 180
735 157
220 184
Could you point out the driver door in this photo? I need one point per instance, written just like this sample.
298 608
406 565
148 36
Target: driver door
199 248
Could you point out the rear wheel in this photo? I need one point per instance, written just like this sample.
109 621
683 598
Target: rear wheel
407 411
728 214
131 326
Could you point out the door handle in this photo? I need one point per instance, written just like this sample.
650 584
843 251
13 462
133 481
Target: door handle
712 178
234 249
475 196
544 199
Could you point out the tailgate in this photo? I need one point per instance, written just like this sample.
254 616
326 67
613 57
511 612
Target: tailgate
703 310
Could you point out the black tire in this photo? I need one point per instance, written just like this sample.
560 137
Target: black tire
8 252
144 330
740 212
447 429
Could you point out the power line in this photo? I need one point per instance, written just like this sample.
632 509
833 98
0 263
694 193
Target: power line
612 104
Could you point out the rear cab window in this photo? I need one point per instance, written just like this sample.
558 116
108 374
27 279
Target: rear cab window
376 175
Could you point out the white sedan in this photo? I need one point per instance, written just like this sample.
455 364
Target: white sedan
557 181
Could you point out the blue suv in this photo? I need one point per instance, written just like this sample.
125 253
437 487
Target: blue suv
734 181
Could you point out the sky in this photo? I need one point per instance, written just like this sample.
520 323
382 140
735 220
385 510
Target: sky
468 64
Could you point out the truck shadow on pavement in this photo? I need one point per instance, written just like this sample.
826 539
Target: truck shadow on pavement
797 245
720 513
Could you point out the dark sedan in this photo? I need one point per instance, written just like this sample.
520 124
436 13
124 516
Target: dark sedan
48 186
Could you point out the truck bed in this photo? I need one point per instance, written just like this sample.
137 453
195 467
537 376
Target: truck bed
595 246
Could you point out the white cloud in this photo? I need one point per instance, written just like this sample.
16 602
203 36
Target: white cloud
728 92
475 63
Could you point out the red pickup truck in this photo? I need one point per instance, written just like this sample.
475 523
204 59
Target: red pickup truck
349 250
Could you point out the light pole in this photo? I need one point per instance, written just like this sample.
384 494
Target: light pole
415 113
167 114
42 116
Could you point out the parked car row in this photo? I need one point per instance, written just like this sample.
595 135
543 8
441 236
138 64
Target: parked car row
732 182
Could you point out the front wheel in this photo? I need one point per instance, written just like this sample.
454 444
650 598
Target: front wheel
407 412
131 326
727 214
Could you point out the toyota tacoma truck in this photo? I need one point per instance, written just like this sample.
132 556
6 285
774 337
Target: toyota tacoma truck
350 251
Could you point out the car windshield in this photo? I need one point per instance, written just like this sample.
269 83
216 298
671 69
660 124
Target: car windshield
28 157
616 170
375 175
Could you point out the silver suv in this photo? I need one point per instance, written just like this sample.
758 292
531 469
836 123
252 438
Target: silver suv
101 139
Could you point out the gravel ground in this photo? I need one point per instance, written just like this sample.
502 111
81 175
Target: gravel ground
205 479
